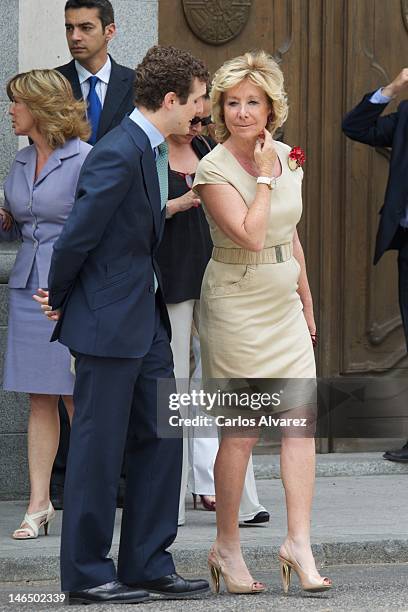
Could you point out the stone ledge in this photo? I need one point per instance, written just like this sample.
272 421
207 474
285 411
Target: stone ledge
261 558
335 464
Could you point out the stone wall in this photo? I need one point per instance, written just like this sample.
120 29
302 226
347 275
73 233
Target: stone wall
13 411
9 20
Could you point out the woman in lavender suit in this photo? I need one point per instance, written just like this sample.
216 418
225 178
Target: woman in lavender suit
39 195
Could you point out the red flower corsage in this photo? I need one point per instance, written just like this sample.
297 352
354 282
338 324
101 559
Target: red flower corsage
296 158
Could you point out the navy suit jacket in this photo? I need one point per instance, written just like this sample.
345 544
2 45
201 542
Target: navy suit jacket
119 95
365 124
102 268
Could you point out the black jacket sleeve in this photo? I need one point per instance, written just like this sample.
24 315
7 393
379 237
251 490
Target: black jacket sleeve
365 124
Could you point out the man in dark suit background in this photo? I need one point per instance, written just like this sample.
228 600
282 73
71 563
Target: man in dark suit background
365 124
104 290
90 26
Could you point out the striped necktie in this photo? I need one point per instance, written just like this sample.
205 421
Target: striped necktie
94 108
162 162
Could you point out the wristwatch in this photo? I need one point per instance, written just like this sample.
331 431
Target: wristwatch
267 180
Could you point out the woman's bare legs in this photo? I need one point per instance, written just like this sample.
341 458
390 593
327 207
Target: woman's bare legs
298 476
69 406
229 472
43 439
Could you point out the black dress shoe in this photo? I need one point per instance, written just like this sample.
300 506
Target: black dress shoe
109 593
397 455
175 587
261 517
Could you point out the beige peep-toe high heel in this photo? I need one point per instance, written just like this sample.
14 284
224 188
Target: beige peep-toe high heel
232 584
309 583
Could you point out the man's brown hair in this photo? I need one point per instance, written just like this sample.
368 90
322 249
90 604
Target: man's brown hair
165 69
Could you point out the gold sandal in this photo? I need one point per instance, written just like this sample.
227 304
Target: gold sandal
309 584
232 585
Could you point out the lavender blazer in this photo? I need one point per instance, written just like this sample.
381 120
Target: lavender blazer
40 208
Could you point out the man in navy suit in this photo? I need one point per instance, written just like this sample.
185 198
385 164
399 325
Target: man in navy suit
90 26
104 287
365 124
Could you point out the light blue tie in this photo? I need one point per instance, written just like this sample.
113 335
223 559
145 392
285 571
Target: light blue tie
94 108
162 162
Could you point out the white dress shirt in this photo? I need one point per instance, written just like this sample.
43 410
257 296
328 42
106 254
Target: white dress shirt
101 86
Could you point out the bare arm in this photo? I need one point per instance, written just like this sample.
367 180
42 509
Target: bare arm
244 226
304 288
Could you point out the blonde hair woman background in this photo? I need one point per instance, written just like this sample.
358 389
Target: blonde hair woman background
256 311
39 194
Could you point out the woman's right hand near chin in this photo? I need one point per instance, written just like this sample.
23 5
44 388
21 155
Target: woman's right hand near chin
265 154
6 219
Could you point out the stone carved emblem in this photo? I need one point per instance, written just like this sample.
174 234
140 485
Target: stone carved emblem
216 21
404 11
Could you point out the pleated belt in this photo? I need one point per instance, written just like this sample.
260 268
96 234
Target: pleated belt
275 254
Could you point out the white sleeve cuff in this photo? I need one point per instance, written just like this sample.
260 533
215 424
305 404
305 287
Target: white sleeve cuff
378 98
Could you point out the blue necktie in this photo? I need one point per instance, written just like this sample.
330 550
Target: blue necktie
162 162
94 108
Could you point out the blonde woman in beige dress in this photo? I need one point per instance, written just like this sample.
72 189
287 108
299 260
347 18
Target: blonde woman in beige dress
256 307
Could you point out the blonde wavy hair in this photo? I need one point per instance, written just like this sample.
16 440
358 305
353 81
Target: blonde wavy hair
260 68
48 96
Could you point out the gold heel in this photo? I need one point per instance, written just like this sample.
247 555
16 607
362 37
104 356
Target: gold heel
309 583
215 578
286 573
232 585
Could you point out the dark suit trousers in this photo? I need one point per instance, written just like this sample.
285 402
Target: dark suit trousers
60 462
115 409
403 279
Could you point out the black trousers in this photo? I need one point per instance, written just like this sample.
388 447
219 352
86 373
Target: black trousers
115 410
403 280
60 463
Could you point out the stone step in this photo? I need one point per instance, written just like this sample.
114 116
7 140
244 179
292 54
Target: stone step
356 520
334 464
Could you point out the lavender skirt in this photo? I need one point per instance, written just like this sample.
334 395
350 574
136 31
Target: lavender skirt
33 364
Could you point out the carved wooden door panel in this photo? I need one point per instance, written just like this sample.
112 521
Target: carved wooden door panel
377 47
372 340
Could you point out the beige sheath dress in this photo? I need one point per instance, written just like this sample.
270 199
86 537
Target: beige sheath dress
251 316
